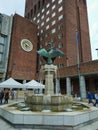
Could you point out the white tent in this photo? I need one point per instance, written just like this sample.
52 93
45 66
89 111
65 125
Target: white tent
34 85
11 83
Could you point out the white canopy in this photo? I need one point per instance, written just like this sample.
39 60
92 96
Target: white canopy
34 85
11 83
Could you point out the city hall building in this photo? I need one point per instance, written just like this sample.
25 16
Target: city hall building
64 24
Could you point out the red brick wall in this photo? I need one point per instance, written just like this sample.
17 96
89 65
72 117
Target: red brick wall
87 68
22 64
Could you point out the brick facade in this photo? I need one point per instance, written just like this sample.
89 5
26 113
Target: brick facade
41 18
22 64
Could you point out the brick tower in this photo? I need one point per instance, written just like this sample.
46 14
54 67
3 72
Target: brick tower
57 22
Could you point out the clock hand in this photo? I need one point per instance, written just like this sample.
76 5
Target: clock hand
27 44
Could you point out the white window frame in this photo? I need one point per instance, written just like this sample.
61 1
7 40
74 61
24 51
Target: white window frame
47 5
59 1
47 20
47 27
53 22
42 17
53 30
43 10
47 12
53 7
60 17
60 9
54 14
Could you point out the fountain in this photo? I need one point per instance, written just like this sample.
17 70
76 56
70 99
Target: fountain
49 101
50 110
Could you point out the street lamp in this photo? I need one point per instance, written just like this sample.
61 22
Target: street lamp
97 52
78 61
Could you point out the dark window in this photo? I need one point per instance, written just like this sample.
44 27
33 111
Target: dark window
39 5
52 40
34 9
28 15
60 27
60 35
60 45
43 2
84 1
31 12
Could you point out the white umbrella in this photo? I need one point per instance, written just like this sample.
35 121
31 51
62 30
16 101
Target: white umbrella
34 85
11 83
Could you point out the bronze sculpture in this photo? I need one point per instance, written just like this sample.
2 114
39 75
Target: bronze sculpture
50 55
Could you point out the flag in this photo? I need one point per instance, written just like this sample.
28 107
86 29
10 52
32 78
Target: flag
77 37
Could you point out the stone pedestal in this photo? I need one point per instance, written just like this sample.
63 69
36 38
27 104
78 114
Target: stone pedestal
49 84
49 71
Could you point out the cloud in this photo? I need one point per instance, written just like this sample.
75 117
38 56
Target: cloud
93 25
11 6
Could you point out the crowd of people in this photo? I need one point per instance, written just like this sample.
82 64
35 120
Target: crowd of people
5 94
93 98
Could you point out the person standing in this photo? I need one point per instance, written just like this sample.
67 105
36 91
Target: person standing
12 94
96 99
1 96
6 96
90 98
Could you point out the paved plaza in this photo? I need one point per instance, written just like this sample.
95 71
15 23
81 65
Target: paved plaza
6 126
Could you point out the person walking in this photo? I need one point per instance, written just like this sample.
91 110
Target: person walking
1 96
90 98
96 99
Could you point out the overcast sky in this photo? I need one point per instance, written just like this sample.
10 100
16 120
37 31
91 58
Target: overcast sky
17 6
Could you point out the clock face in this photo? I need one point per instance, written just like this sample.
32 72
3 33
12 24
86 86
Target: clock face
26 45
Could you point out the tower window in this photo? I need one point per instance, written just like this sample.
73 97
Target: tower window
42 31
53 14
47 19
34 9
47 34
43 2
38 14
53 30
38 21
60 17
60 9
42 24
47 27
54 22
47 12
53 7
1 48
34 18
60 27
47 5
59 1
43 10
60 35
53 1
42 17
60 45
39 5
31 12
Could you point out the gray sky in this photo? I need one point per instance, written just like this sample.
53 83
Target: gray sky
12 6
17 6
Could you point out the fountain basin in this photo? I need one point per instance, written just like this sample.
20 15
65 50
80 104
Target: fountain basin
48 120
54 103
